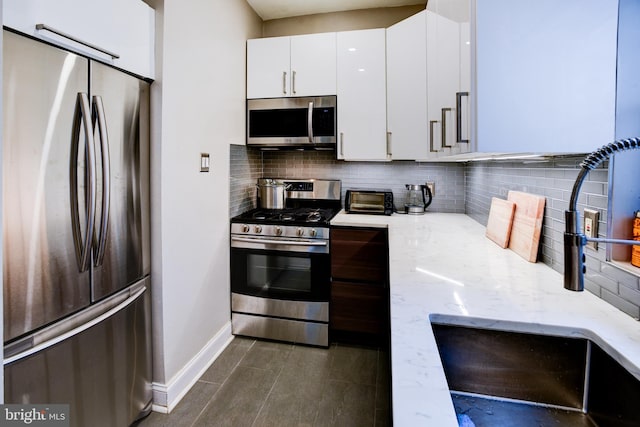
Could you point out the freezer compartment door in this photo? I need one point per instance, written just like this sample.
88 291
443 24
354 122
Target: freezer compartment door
103 372
121 114
42 279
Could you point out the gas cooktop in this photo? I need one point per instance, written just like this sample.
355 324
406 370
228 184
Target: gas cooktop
287 216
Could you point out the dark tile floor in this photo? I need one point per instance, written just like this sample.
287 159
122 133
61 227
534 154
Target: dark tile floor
261 383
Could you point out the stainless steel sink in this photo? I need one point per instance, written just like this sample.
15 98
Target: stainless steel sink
499 378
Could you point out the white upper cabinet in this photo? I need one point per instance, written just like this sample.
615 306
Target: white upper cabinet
362 96
428 82
407 120
313 64
544 75
447 77
268 67
117 32
291 66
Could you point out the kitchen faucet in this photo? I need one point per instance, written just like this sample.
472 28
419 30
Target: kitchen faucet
574 241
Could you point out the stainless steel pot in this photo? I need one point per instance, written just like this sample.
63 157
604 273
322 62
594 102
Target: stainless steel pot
271 193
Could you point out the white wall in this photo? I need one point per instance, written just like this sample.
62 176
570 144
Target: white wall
1 210
198 106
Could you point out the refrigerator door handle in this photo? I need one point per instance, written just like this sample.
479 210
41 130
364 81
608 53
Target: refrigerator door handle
36 345
98 117
82 117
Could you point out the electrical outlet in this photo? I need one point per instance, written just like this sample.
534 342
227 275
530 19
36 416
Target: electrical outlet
590 226
432 188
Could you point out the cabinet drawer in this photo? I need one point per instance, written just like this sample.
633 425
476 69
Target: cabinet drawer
359 255
359 307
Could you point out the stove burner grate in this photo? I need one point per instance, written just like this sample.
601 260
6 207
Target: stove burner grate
289 215
314 216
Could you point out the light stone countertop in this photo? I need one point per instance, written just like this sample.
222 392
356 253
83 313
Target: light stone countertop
443 268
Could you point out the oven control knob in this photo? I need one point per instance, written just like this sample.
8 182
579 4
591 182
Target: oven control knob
278 231
300 232
258 229
313 232
245 228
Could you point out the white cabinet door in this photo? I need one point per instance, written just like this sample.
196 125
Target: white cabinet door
117 32
463 98
134 36
448 79
291 66
313 64
443 84
362 95
407 121
546 75
268 67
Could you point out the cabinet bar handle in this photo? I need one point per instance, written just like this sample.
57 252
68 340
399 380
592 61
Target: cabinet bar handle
45 27
341 144
293 81
431 123
284 82
459 96
444 127
389 153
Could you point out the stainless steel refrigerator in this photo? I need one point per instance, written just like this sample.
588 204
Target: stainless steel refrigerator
76 234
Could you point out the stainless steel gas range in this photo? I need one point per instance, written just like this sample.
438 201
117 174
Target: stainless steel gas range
280 265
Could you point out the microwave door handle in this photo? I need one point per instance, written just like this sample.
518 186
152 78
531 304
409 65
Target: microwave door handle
310 121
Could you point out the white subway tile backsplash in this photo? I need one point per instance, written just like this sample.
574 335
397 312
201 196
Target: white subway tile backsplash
492 179
620 303
460 188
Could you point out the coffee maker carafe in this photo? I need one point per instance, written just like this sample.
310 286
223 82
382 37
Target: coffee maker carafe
417 199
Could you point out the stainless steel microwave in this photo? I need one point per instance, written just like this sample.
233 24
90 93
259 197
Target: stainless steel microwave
302 122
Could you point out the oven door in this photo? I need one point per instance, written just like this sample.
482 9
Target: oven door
281 274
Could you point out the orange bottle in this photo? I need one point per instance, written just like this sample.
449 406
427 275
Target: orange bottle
635 250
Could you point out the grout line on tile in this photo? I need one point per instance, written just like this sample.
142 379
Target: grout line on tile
272 387
195 420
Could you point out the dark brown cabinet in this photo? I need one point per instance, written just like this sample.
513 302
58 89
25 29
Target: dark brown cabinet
359 308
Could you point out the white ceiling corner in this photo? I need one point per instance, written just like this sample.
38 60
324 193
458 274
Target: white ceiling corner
276 9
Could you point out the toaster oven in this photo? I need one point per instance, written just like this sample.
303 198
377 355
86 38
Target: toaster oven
367 201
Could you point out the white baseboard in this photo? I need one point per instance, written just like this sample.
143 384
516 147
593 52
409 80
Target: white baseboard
167 396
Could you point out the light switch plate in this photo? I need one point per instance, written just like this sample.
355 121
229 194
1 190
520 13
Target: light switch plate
590 226
204 162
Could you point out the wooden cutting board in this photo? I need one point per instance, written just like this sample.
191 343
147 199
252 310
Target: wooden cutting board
500 220
527 224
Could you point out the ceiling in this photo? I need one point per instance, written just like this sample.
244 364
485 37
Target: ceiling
276 9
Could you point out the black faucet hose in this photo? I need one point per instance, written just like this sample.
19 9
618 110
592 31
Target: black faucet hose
593 160
574 241
603 153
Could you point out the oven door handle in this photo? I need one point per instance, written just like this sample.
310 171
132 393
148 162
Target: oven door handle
279 242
